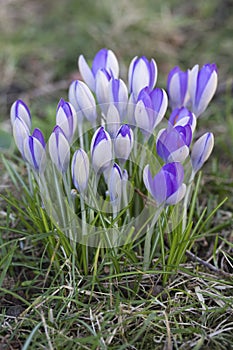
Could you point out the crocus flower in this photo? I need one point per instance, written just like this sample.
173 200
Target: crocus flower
19 110
167 186
115 183
201 150
83 101
118 95
183 116
123 142
66 118
202 86
20 133
177 87
150 109
173 143
101 150
34 150
142 73
59 149
104 59
80 170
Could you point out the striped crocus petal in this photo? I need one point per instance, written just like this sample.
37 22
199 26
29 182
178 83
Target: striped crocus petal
83 101
142 73
201 150
159 104
144 116
101 150
19 110
123 142
34 150
59 149
115 183
118 94
20 133
80 170
202 86
112 120
66 118
177 87
101 88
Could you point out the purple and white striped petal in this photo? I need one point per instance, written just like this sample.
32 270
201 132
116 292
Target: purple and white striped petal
34 150
80 170
118 94
59 149
115 184
201 150
123 142
101 88
20 133
66 118
112 120
177 87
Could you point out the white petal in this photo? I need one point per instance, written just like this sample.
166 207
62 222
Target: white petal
86 72
112 64
177 196
102 155
142 118
179 155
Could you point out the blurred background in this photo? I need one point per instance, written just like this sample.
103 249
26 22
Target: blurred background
41 40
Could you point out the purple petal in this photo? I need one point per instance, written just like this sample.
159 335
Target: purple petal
99 60
39 136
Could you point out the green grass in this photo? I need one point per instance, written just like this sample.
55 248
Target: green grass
46 300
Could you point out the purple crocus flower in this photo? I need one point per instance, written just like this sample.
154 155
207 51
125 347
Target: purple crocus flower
83 101
80 170
177 87
142 73
183 116
19 110
167 186
59 149
104 59
66 118
118 95
201 151
150 109
173 143
101 150
123 142
202 86
34 150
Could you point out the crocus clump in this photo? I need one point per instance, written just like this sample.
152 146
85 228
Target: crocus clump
120 116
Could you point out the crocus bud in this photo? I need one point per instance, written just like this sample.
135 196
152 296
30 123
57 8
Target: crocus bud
102 95
104 59
66 118
177 87
167 185
118 94
201 150
202 86
141 73
112 120
115 184
20 133
19 110
173 143
34 150
80 170
150 109
123 142
182 116
83 101
101 150
59 149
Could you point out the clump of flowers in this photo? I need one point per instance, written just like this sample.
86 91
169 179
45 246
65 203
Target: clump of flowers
110 168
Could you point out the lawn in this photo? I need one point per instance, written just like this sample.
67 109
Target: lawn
55 293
